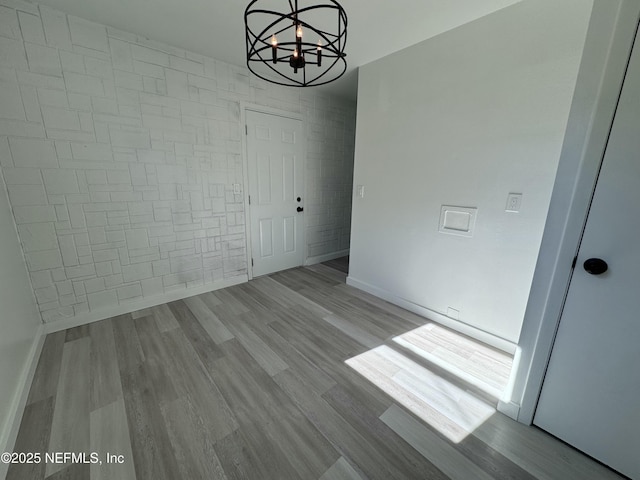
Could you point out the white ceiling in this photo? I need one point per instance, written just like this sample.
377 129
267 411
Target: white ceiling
215 28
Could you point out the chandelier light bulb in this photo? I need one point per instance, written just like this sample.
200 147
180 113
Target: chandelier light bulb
299 31
274 49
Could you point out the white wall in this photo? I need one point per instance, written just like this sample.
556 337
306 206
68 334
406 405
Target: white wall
463 119
19 324
120 154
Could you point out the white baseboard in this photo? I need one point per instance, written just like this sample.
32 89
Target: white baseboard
326 257
9 436
488 338
128 307
510 409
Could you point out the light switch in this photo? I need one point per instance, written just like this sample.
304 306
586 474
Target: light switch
236 189
514 201
360 191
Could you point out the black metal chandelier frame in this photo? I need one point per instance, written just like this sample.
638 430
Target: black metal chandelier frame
298 53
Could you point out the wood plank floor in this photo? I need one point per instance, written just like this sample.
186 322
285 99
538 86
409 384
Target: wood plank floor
275 379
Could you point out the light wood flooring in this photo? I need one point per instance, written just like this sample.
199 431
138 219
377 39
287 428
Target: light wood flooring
280 378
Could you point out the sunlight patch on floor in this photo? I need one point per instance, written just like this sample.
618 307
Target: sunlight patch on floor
451 410
469 360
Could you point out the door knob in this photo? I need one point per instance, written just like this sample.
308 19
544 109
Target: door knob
595 266
299 209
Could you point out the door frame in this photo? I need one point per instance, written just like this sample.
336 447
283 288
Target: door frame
610 37
254 107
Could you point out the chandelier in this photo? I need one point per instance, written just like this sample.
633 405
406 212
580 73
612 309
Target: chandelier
302 46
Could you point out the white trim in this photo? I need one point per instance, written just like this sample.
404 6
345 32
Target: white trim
244 106
606 54
432 315
271 111
10 434
326 257
133 306
245 189
510 409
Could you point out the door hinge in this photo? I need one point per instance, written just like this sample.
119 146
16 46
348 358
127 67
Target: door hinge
249 199
573 264
246 130
252 262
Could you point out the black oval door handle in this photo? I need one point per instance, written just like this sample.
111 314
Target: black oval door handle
595 266
299 209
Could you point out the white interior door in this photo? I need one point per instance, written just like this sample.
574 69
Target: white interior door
275 156
591 393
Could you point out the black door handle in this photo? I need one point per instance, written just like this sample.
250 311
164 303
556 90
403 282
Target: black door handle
595 266
299 209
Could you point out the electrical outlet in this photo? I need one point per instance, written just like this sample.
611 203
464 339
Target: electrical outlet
514 202
236 189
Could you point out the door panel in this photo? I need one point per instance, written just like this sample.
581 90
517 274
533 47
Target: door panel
289 233
288 177
591 393
275 158
265 183
266 237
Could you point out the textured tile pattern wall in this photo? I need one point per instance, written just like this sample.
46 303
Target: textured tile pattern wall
119 155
